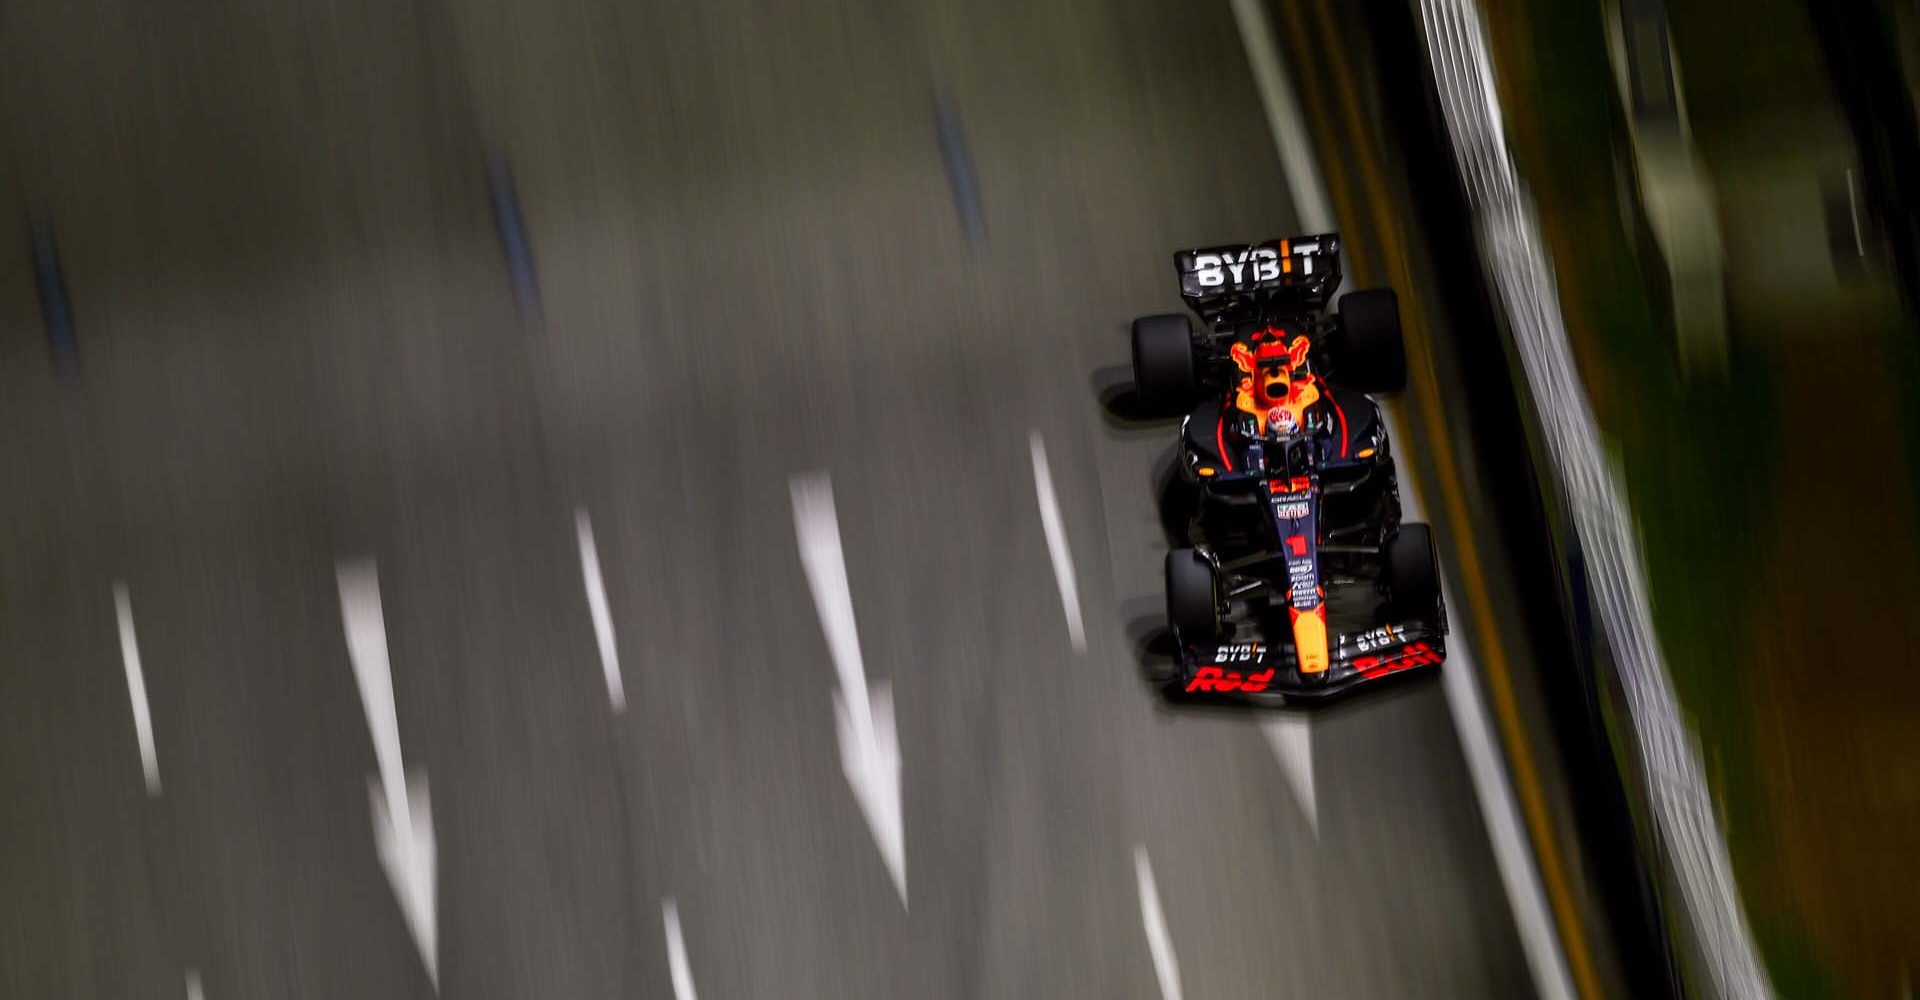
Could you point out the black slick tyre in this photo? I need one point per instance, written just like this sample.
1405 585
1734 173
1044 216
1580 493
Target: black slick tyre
1164 379
1411 571
1372 357
1193 596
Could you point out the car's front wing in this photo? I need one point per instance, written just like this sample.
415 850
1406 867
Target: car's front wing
1255 670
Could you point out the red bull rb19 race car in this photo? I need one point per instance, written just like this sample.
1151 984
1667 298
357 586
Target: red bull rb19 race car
1292 576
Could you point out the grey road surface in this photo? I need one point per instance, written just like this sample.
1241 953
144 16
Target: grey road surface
299 344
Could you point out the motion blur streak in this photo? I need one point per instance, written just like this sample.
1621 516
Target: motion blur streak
1510 241
1529 857
1283 117
303 343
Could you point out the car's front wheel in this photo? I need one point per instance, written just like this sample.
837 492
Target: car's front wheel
1193 596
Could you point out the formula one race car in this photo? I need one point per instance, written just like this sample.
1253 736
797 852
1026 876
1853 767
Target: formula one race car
1293 575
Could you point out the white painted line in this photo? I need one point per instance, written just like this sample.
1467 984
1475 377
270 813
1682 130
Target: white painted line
194 992
402 811
817 526
677 964
1056 530
864 722
366 626
1853 212
1493 787
136 687
1691 846
1291 737
1159 943
597 605
1283 118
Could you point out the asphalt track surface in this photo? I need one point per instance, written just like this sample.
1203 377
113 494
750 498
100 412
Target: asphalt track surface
300 344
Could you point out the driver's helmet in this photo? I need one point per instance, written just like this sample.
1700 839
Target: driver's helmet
1281 422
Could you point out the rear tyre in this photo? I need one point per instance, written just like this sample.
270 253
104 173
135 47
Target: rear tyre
1372 357
1163 369
1193 596
1411 571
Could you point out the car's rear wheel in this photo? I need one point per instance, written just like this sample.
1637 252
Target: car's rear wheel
1164 379
1193 596
1411 571
1371 355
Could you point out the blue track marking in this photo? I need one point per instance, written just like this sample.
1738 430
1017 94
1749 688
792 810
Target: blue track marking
521 273
56 311
960 174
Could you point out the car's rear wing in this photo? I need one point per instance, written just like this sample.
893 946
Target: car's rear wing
1244 281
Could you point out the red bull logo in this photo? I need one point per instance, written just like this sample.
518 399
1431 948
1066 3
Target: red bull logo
1274 388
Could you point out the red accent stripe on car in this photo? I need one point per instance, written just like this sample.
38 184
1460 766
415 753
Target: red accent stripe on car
1220 440
1342 414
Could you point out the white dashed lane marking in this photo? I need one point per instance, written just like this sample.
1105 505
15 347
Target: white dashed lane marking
1291 738
136 687
677 964
1159 943
597 605
1055 527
